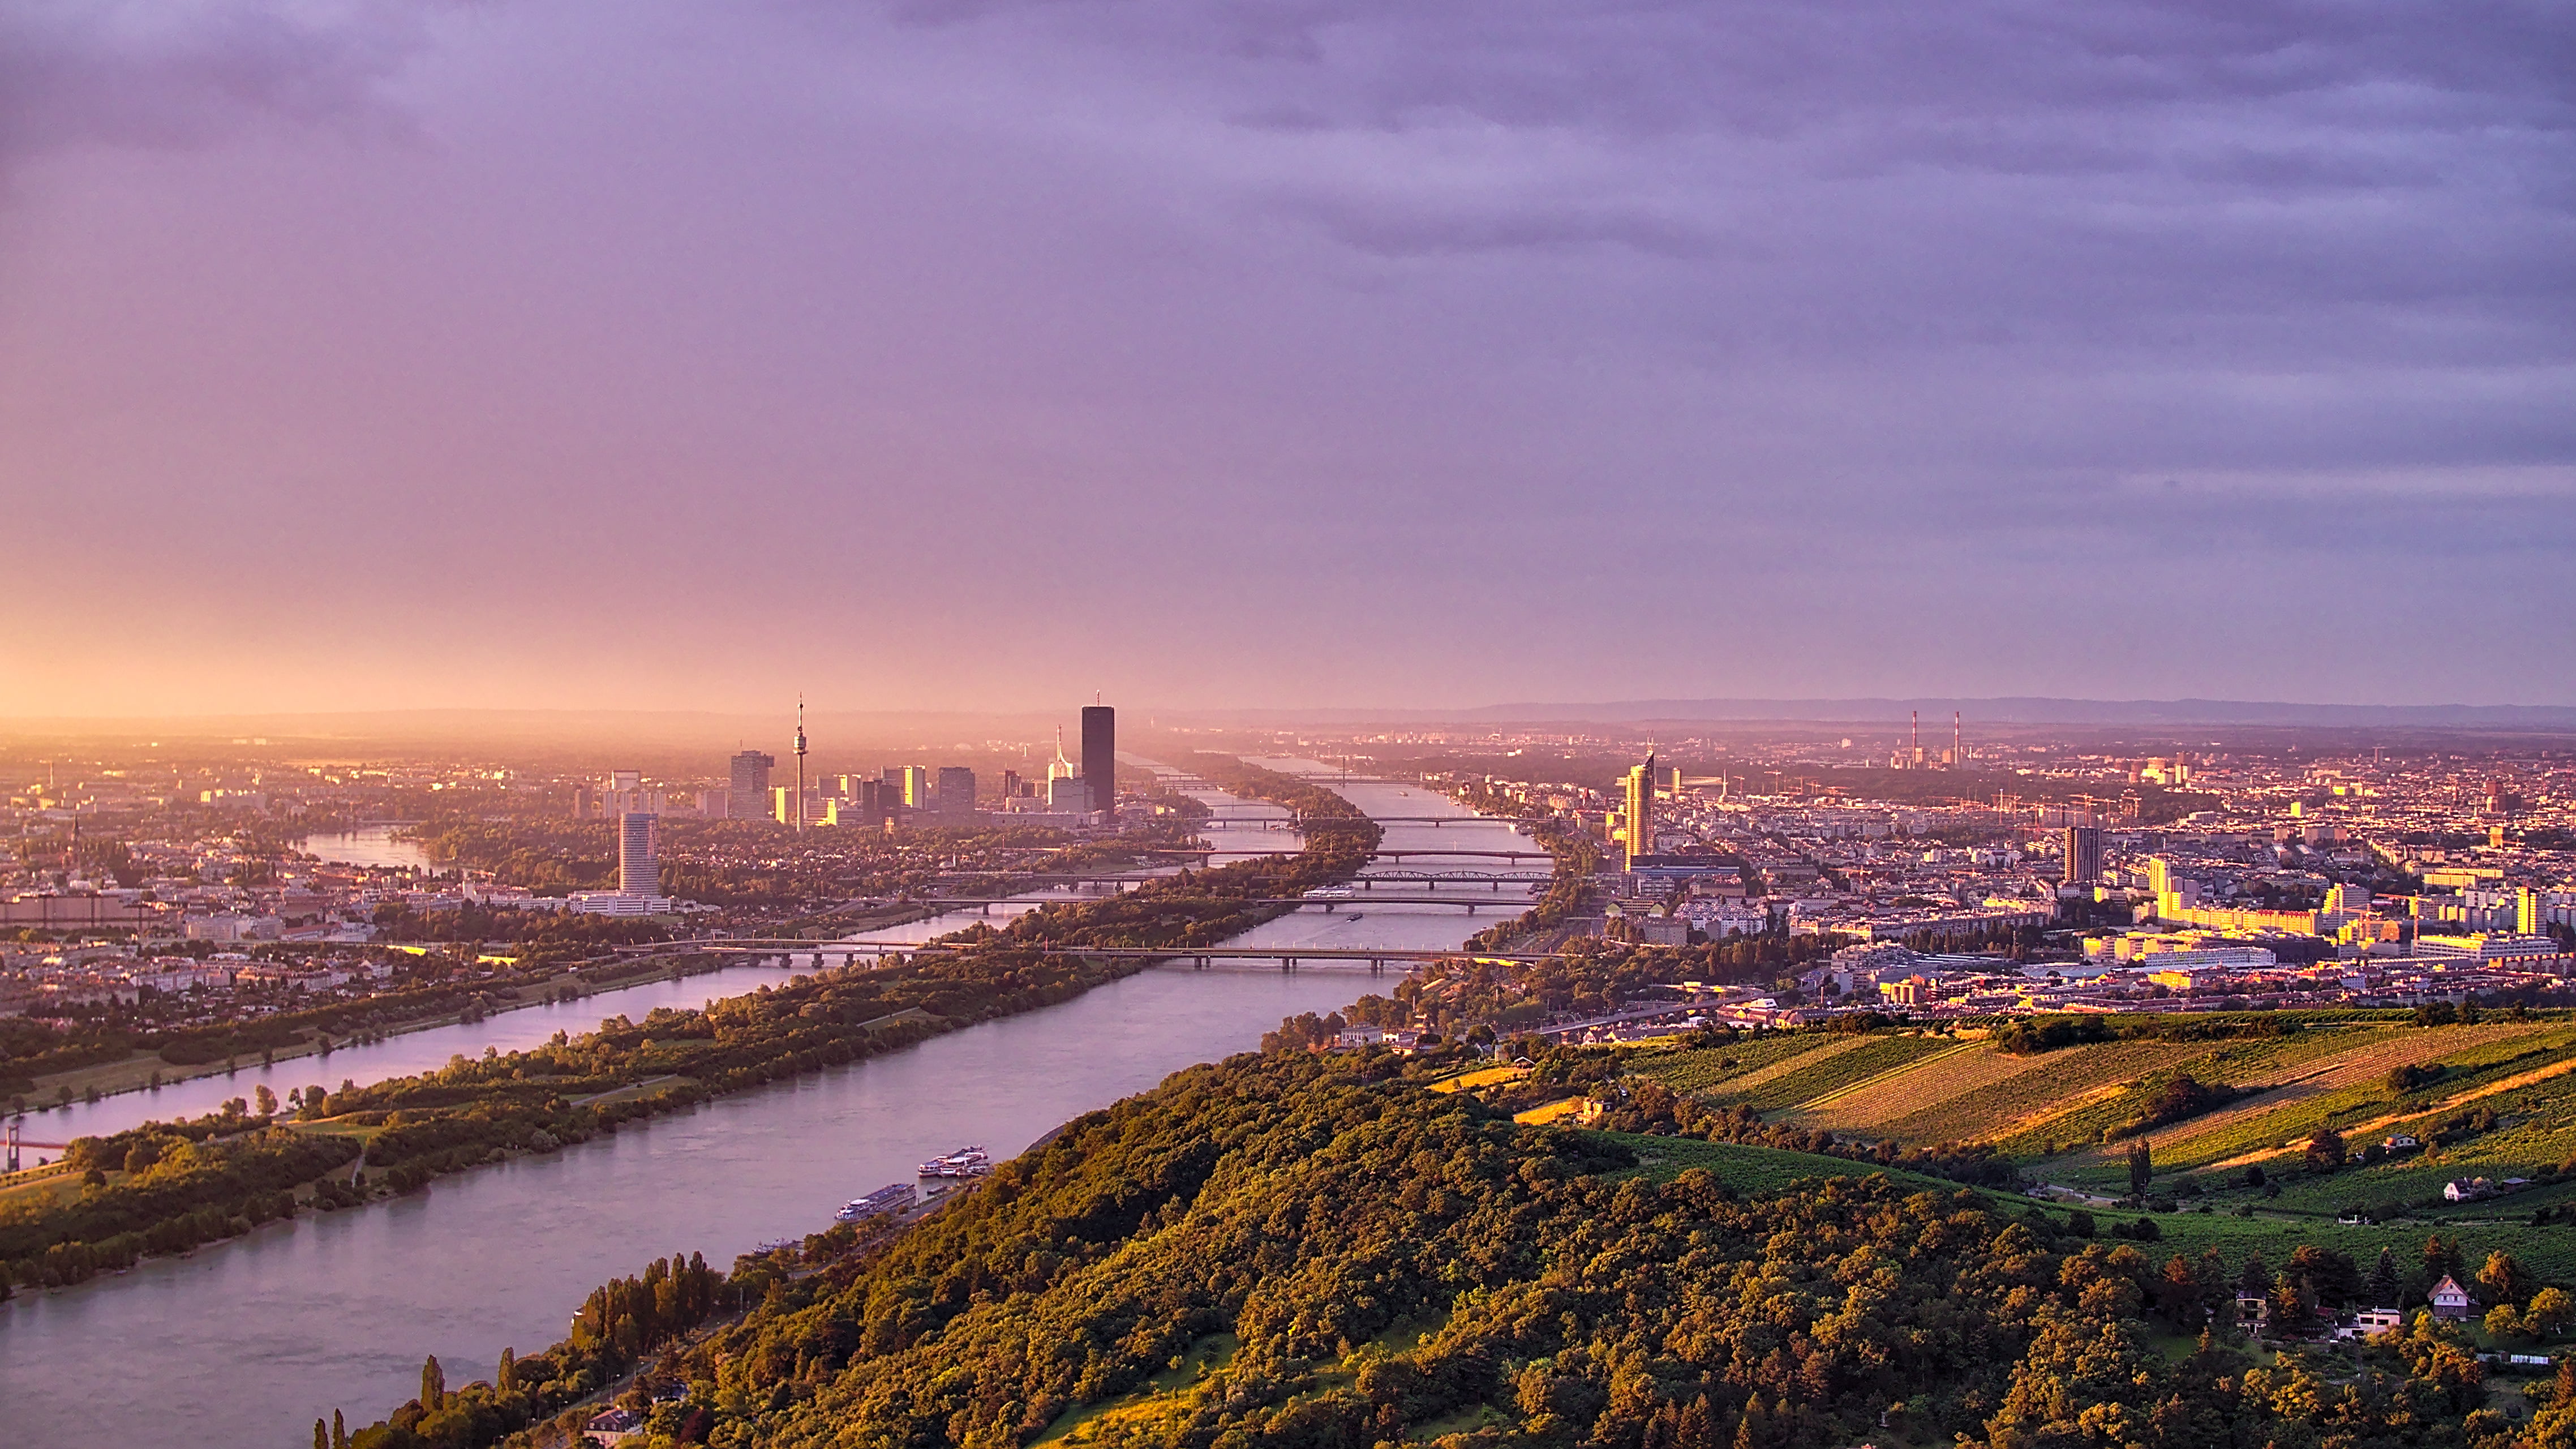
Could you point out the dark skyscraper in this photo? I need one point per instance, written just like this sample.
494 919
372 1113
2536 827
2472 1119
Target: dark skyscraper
749 799
2083 855
1100 755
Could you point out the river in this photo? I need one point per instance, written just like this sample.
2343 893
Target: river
407 1053
245 1343
368 845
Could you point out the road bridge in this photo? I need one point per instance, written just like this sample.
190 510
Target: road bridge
1497 879
1401 853
1298 821
1289 958
15 1142
985 904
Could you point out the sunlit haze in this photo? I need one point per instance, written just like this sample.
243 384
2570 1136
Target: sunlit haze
981 356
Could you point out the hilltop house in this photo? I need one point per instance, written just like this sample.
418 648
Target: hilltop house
613 1426
2450 1300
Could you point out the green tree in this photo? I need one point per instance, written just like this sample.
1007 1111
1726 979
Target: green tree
2142 1169
433 1385
2385 1281
2293 1306
2442 1260
2504 1280
2552 1310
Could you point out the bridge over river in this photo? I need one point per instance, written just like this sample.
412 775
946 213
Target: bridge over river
247 1341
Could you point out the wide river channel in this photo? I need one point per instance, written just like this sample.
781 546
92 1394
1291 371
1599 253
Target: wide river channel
245 1343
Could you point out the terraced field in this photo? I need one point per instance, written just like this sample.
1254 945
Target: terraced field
1812 1078
2318 1091
2504 1108
2046 1102
1924 1087
1737 1064
2287 1070
2505 1105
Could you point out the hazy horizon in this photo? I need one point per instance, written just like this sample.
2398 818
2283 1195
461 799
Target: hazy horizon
558 354
840 730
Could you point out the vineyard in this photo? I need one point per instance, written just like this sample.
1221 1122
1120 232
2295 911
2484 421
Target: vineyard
2500 1095
1815 1081
1740 1065
2350 1092
2024 1109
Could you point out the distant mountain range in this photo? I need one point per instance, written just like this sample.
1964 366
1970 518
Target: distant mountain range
2035 709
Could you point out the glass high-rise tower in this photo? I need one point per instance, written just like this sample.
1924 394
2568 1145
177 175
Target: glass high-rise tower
1100 755
639 871
1637 823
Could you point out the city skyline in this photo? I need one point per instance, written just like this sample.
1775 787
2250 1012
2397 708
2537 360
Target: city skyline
1324 631
350 356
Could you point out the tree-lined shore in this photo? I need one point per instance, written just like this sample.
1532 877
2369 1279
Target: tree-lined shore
169 1187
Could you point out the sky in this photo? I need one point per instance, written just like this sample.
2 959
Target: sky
985 355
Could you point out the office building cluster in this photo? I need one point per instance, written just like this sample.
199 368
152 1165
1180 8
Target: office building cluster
2268 877
1075 795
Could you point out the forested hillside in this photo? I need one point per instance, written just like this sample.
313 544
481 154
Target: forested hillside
1316 1250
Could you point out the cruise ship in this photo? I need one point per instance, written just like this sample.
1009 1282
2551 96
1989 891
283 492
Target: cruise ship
894 1197
964 1162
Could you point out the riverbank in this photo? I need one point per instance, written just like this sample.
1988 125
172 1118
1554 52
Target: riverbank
142 1070
250 1340
474 1112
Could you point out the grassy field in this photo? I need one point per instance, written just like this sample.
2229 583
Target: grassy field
38 1189
1469 1081
1168 1396
1550 1112
1750 1169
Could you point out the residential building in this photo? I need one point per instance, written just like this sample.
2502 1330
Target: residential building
2450 1300
2083 855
